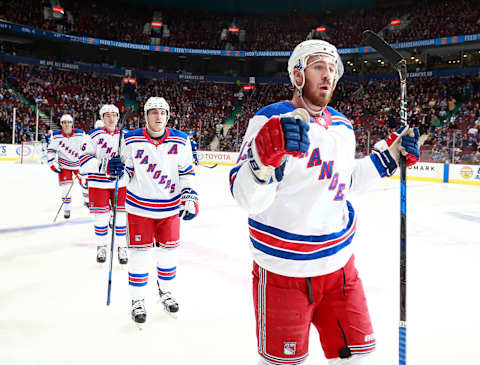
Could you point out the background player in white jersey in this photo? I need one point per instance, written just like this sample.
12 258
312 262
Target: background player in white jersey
160 191
65 146
294 178
101 146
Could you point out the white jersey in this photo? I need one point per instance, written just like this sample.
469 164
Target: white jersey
99 147
159 170
303 225
66 148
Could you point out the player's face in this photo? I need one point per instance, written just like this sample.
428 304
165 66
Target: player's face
67 127
319 80
110 121
157 119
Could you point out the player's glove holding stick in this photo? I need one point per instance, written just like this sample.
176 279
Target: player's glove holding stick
386 153
281 136
114 167
188 204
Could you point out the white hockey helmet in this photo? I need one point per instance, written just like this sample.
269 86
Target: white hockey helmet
99 124
299 57
108 108
156 102
67 118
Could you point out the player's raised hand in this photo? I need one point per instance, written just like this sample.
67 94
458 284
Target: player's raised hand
282 135
188 204
386 153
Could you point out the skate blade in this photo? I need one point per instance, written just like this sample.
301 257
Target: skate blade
140 326
170 314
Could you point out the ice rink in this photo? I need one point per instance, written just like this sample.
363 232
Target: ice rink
53 293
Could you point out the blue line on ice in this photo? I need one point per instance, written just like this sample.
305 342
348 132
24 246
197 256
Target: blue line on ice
44 226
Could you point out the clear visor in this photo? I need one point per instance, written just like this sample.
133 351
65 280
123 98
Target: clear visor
322 57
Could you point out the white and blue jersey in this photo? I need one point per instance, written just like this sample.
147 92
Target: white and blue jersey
66 148
303 225
159 171
99 147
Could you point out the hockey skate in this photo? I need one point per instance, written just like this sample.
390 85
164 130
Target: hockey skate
101 254
122 256
66 214
169 303
139 314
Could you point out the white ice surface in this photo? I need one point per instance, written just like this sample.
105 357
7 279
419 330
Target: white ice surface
53 293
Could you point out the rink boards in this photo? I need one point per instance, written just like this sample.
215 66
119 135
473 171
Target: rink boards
422 171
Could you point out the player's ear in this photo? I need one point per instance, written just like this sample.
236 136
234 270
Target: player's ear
298 77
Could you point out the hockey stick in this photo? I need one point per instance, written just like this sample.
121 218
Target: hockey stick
400 65
66 196
115 197
209 167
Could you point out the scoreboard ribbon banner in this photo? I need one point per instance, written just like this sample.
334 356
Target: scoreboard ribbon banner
16 28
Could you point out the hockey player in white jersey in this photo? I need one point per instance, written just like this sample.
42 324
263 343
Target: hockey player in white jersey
63 157
98 151
158 162
295 172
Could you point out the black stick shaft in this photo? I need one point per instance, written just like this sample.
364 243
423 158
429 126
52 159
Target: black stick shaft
115 198
399 64
402 349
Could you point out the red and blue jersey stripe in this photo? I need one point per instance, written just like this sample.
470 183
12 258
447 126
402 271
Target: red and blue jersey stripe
276 242
188 171
100 178
84 159
67 163
176 139
233 176
153 205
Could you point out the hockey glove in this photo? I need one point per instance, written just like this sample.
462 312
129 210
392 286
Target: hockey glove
386 153
188 204
55 169
115 167
280 136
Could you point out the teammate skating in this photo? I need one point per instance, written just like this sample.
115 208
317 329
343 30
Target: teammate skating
98 160
139 315
294 176
158 161
66 144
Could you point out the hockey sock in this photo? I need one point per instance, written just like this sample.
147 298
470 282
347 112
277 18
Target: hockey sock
68 200
166 267
84 191
138 267
101 228
121 229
